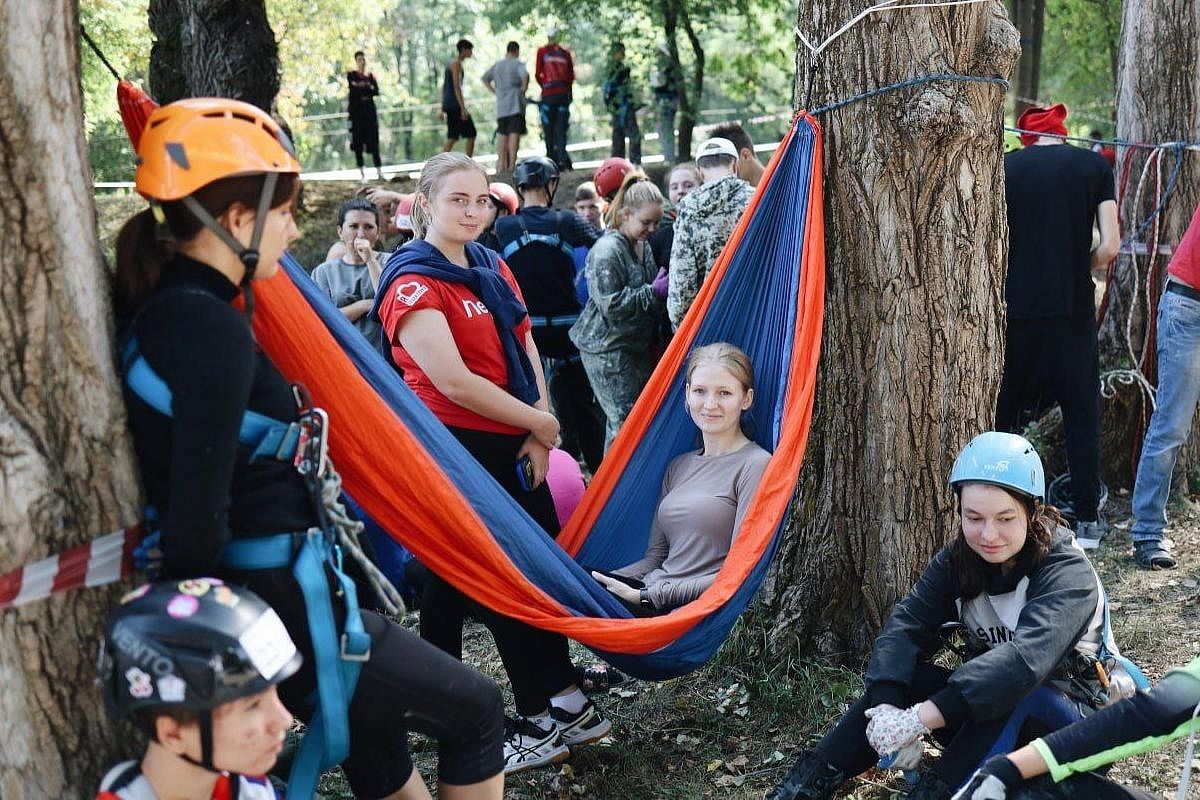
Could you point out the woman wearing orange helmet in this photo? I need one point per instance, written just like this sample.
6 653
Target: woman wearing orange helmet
214 425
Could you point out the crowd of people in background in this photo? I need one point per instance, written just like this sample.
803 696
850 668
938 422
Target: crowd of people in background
508 80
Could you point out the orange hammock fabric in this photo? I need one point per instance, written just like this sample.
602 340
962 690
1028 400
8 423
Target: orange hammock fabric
396 478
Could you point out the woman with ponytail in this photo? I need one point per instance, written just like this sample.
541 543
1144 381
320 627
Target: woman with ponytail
221 179
615 333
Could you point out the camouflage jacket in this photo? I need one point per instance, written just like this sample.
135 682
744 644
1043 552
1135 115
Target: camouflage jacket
706 218
622 305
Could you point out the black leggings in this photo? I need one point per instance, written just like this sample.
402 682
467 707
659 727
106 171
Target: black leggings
575 406
538 663
405 684
410 685
846 746
1048 361
1085 786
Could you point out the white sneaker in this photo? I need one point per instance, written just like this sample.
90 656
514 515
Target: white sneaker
583 728
1089 534
526 745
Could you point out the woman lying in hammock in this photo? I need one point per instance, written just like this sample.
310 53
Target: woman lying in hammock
705 493
1034 611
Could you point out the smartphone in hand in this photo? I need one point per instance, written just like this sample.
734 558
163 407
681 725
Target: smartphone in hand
525 472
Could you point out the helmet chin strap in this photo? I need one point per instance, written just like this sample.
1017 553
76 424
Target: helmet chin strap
206 745
248 255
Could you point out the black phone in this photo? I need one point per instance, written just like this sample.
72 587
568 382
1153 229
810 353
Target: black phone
525 472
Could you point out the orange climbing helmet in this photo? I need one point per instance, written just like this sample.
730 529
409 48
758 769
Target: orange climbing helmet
190 143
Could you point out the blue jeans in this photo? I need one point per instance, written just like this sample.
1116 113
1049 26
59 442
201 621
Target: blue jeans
1178 393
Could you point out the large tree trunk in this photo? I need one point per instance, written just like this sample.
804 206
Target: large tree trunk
213 48
1158 100
1029 16
693 93
913 341
66 467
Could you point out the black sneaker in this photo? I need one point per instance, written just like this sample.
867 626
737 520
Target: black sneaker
583 728
527 745
810 778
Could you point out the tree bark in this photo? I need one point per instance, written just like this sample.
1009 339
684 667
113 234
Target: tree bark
1029 16
1158 100
669 10
695 91
213 48
66 466
917 238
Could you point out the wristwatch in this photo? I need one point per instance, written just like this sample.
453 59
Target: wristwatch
644 599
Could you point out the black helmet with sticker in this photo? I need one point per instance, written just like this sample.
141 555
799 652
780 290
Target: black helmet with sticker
193 644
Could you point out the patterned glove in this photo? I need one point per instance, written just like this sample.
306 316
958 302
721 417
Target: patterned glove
660 283
891 729
993 781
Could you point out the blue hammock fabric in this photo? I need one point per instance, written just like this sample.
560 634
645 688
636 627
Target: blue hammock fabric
755 306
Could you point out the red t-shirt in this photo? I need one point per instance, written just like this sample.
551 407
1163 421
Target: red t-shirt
474 333
1185 263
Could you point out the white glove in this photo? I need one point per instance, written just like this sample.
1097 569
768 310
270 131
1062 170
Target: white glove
892 729
995 780
906 758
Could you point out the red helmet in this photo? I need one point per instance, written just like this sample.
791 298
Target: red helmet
608 176
403 218
505 195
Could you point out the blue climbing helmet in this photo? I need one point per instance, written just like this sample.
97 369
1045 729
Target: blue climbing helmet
1001 459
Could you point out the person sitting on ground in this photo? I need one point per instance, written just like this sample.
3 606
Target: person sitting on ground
705 493
459 124
705 221
508 80
196 673
504 202
615 333
456 327
538 244
1034 615
350 280
1067 764
749 168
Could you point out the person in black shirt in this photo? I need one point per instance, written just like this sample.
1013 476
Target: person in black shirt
364 124
1056 193
538 245
219 218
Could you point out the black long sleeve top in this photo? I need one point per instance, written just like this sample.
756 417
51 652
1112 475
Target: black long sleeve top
196 472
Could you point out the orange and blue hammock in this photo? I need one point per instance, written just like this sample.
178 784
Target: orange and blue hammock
764 294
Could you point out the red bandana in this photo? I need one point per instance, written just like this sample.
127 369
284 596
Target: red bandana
1042 121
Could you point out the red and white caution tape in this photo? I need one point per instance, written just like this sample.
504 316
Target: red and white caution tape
100 561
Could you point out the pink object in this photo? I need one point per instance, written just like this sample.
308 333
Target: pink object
565 480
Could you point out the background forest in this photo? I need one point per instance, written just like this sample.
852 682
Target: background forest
747 48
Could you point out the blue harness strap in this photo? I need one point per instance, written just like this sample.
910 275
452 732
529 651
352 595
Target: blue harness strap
269 438
338 662
526 238
560 321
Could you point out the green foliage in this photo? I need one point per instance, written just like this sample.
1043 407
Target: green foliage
1079 56
748 49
